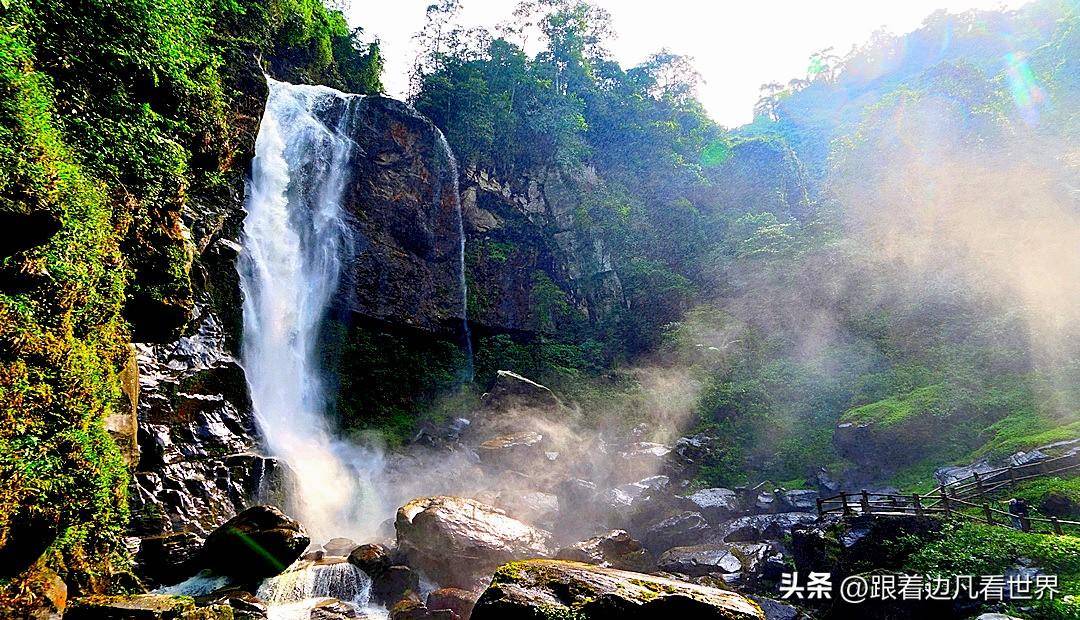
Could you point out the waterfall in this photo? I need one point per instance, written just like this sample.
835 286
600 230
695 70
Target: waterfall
294 242
463 285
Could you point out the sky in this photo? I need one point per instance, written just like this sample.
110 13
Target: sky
735 46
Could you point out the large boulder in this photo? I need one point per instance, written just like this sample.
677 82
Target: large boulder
698 560
755 528
522 451
456 540
559 589
259 542
460 602
685 528
512 390
748 564
715 504
616 549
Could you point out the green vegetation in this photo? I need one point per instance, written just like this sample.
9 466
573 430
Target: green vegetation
924 401
972 549
119 127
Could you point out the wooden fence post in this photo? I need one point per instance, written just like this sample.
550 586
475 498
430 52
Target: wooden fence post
978 483
918 504
1057 526
988 513
945 500
865 502
819 510
1012 475
843 500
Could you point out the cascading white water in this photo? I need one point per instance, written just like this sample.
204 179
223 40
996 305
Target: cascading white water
294 241
292 594
463 286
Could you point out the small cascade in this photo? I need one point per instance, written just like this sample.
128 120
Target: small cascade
463 285
292 594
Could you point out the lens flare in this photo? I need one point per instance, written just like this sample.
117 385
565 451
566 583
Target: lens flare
1024 88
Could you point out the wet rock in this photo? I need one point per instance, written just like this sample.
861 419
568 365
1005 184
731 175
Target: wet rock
393 584
199 460
690 452
949 475
826 484
777 610
518 451
143 607
123 423
1026 458
259 542
714 504
556 588
373 559
799 500
412 608
340 547
699 560
685 528
332 609
766 501
535 507
454 539
460 602
616 549
167 558
639 460
511 391
245 605
747 564
1058 504
755 528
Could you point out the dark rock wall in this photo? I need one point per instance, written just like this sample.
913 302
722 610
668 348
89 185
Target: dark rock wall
523 232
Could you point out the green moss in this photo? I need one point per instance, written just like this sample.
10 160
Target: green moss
1026 429
900 409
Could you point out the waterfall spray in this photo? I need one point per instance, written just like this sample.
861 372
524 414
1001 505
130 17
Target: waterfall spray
295 240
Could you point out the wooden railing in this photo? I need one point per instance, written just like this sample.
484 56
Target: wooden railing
954 499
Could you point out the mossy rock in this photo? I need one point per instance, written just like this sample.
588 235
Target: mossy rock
144 607
550 589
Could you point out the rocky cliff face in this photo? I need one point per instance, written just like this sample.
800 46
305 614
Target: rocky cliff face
404 199
404 208
522 234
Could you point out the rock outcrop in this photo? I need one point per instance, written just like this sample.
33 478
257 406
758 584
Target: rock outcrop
616 549
259 542
556 588
456 540
200 460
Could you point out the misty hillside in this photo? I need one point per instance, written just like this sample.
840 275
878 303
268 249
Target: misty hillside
542 340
